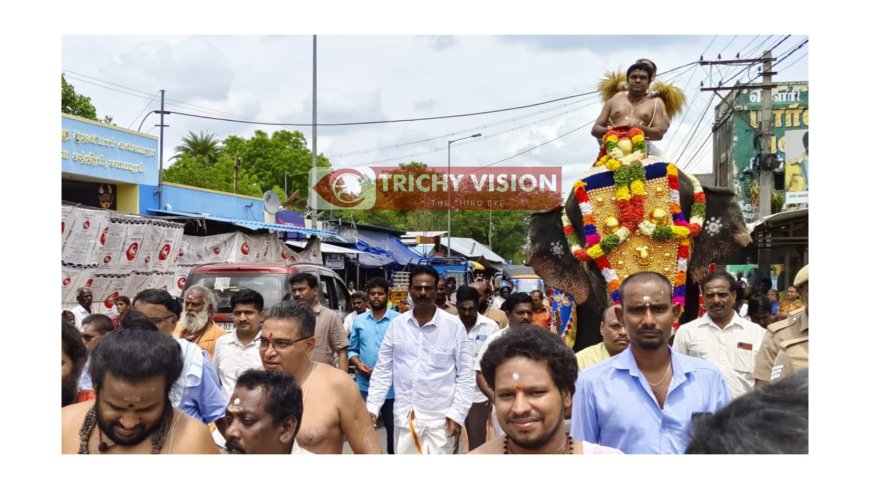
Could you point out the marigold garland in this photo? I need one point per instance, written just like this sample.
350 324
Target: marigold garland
631 210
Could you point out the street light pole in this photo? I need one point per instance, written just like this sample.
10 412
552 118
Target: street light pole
449 193
291 175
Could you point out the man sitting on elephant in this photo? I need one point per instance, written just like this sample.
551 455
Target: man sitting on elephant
633 211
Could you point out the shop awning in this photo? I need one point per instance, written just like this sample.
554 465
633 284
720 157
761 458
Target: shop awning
467 247
365 259
255 225
387 245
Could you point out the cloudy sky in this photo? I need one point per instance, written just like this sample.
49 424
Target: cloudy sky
375 78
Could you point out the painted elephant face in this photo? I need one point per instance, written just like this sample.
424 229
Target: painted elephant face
549 254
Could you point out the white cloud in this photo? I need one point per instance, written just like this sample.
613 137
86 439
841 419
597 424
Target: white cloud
363 78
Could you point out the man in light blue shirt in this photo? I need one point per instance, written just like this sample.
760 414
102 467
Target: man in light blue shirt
366 336
643 399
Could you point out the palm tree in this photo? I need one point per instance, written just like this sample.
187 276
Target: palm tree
204 146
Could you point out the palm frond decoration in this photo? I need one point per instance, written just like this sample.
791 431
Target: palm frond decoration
612 83
672 97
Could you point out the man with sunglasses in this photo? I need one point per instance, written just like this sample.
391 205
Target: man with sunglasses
94 327
334 409
197 391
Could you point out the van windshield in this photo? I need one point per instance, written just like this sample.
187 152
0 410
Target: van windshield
528 284
270 285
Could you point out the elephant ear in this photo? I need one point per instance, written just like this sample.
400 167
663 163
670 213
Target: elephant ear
724 230
549 255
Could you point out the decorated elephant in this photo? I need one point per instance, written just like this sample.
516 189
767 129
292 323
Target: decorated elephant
632 212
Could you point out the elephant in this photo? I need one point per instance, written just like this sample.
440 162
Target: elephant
548 253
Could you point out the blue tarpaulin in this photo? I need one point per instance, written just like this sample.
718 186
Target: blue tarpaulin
387 245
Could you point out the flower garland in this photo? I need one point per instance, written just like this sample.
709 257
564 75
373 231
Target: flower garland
614 156
597 248
629 175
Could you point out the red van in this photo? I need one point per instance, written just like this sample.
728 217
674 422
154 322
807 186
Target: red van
270 279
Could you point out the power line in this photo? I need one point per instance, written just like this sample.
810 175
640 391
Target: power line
391 121
726 46
795 61
147 104
688 142
560 136
692 160
110 88
731 108
488 136
476 128
107 82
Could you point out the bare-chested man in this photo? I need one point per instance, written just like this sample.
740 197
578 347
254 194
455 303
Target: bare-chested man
334 409
635 108
132 372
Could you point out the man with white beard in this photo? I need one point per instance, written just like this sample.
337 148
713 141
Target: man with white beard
196 325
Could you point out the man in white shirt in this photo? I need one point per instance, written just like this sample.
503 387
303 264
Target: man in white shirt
85 299
359 301
239 350
427 358
479 328
721 336
504 291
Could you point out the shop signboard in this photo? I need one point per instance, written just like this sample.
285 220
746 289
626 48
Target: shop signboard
106 152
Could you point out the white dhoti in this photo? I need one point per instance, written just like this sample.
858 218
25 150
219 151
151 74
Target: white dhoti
423 435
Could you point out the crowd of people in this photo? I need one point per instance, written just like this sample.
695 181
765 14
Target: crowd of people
456 370
163 377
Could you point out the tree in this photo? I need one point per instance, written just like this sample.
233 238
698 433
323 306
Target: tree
264 161
73 103
267 158
205 147
189 170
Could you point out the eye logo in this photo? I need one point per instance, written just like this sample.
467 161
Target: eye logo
132 250
343 188
164 252
110 300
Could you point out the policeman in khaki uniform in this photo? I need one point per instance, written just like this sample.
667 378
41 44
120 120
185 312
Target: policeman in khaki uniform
786 345
794 356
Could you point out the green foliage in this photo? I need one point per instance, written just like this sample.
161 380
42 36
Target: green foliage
508 230
777 200
75 104
196 172
204 147
265 159
201 160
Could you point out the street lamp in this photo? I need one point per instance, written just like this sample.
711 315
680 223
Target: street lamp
449 199
288 174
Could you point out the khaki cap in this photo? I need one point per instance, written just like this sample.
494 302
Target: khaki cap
803 276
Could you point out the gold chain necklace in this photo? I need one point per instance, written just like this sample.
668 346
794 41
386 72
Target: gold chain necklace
667 371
